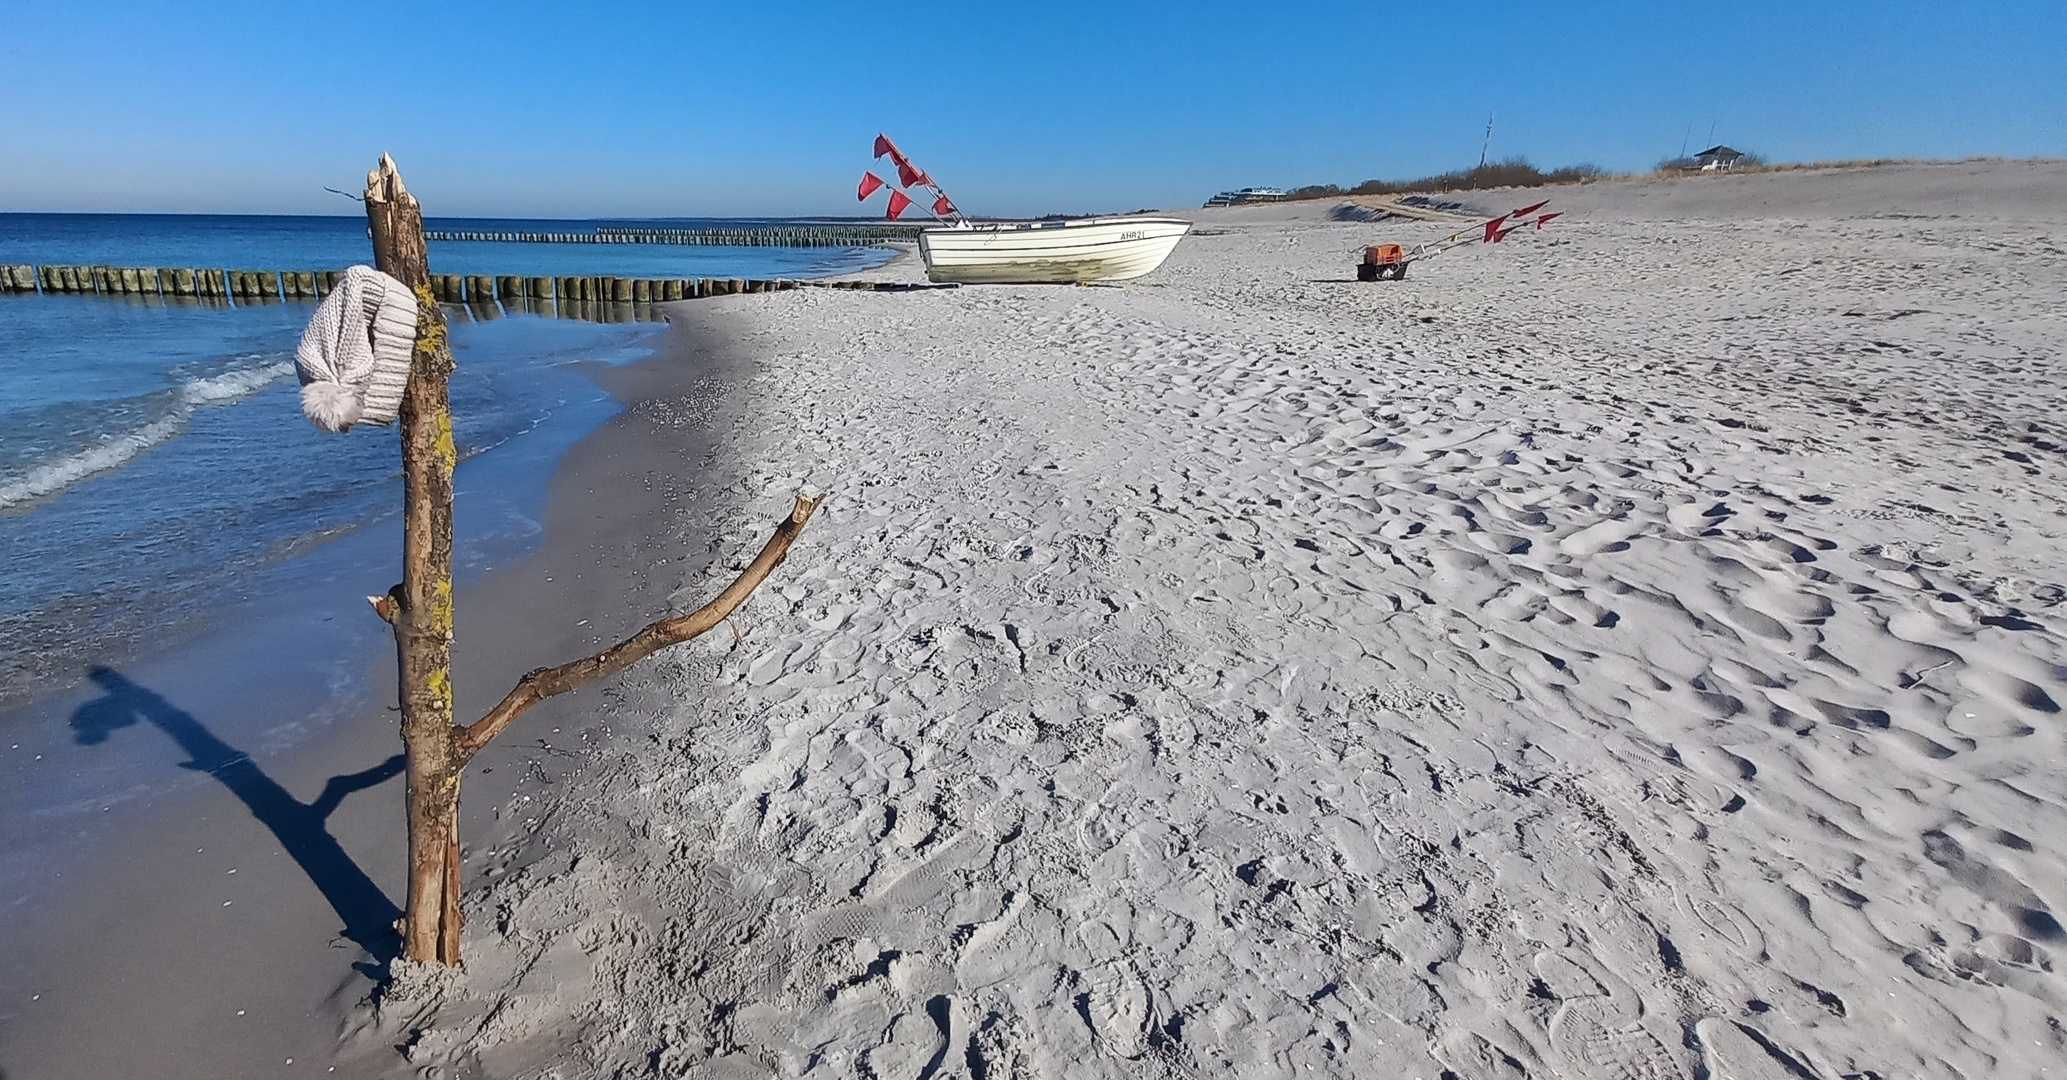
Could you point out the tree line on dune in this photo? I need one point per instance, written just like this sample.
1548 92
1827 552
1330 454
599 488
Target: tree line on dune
1511 173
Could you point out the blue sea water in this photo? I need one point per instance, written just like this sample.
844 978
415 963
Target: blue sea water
153 459
254 242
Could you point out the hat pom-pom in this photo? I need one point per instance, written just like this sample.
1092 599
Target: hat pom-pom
330 406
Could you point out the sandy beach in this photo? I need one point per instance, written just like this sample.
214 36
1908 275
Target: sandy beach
1634 650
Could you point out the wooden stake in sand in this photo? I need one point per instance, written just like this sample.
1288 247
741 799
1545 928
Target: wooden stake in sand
420 608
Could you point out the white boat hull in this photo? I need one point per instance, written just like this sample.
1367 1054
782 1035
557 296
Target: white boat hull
1050 252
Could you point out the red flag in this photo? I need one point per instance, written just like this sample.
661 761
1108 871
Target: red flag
909 174
942 208
898 202
1493 233
1502 234
885 146
1547 217
869 183
1527 210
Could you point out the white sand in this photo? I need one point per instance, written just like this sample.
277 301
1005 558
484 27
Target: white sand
1630 651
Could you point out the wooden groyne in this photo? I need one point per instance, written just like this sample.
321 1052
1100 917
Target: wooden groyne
761 236
586 296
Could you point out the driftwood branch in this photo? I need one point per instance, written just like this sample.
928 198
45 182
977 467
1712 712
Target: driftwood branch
546 682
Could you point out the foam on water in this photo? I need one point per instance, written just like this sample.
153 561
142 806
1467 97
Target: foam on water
115 449
153 457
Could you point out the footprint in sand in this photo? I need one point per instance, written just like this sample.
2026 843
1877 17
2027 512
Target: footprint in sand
1798 605
1727 925
1590 1036
2006 689
1697 516
1576 606
1470 1057
1610 535
1115 1005
1735 1053
1468 671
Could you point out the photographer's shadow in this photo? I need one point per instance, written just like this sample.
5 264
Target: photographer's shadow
302 828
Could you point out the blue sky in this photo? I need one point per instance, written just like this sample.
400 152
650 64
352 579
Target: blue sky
748 108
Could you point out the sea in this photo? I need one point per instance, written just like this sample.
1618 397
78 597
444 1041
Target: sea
167 512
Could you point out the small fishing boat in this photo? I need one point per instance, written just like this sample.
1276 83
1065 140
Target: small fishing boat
1070 250
1053 251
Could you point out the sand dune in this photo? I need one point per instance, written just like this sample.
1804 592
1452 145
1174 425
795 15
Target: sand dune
1631 651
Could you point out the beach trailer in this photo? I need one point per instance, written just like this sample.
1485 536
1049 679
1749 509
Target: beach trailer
1382 261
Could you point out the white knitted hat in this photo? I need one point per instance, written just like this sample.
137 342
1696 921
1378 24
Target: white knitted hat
354 356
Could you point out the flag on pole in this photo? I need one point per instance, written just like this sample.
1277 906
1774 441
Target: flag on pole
885 146
1547 217
898 202
1527 210
942 208
869 183
909 174
1493 233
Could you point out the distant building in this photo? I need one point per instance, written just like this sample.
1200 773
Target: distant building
1247 195
1718 157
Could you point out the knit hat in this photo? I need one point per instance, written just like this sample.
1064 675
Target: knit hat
354 356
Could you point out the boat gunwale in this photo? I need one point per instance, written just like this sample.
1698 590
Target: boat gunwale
1038 225
982 243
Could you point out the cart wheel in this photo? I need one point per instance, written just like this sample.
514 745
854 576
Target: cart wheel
1399 271
1367 271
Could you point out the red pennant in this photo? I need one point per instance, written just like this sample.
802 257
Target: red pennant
898 202
885 146
942 208
1527 210
909 174
1493 233
1547 217
1502 234
869 183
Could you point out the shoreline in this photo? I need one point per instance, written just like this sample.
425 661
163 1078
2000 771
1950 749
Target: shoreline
1633 650
129 923
1640 649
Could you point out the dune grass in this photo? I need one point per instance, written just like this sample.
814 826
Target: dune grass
1518 172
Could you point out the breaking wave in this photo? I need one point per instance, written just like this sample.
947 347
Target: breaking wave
116 449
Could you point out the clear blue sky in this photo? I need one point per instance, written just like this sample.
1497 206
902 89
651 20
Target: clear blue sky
753 107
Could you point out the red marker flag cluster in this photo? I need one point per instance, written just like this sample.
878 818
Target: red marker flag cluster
908 176
1498 228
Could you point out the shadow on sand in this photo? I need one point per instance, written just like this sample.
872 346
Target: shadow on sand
302 828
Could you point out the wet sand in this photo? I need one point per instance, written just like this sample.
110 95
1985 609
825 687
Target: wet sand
200 942
1631 651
